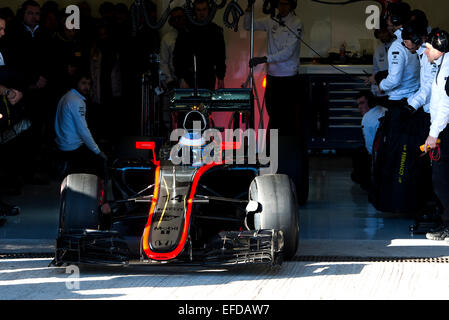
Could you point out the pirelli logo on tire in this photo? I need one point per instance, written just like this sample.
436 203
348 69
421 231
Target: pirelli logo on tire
402 166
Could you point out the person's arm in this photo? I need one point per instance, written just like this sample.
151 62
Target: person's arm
441 119
421 97
77 112
285 54
396 67
295 34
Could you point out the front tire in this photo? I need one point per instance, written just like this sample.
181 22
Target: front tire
81 197
278 209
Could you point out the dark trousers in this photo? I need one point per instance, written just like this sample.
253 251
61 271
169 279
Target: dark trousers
440 175
283 106
282 100
83 160
361 165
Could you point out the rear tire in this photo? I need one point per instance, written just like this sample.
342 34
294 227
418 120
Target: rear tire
278 209
81 197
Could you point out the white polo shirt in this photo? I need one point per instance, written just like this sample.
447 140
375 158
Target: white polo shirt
439 102
403 71
370 124
284 47
427 76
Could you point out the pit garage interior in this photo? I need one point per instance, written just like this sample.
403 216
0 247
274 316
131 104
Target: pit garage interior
337 220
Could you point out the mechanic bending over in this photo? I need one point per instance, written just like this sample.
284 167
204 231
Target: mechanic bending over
437 51
73 137
417 107
284 33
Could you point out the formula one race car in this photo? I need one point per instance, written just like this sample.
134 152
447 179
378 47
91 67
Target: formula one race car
152 211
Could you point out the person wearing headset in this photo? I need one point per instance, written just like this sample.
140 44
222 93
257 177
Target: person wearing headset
415 35
415 110
284 33
438 52
402 80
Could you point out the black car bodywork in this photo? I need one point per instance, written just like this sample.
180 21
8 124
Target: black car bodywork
162 213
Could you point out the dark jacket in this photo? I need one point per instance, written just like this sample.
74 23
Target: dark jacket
207 43
26 53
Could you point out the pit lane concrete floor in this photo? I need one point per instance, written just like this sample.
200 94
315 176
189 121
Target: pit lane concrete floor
337 221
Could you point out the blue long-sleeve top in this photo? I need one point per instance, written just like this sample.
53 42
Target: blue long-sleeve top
70 123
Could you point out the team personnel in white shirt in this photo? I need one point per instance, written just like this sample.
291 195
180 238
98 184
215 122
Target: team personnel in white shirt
284 35
380 57
283 57
415 109
398 151
371 113
414 36
362 157
403 66
437 51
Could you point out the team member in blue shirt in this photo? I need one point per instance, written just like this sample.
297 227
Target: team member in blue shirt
73 136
